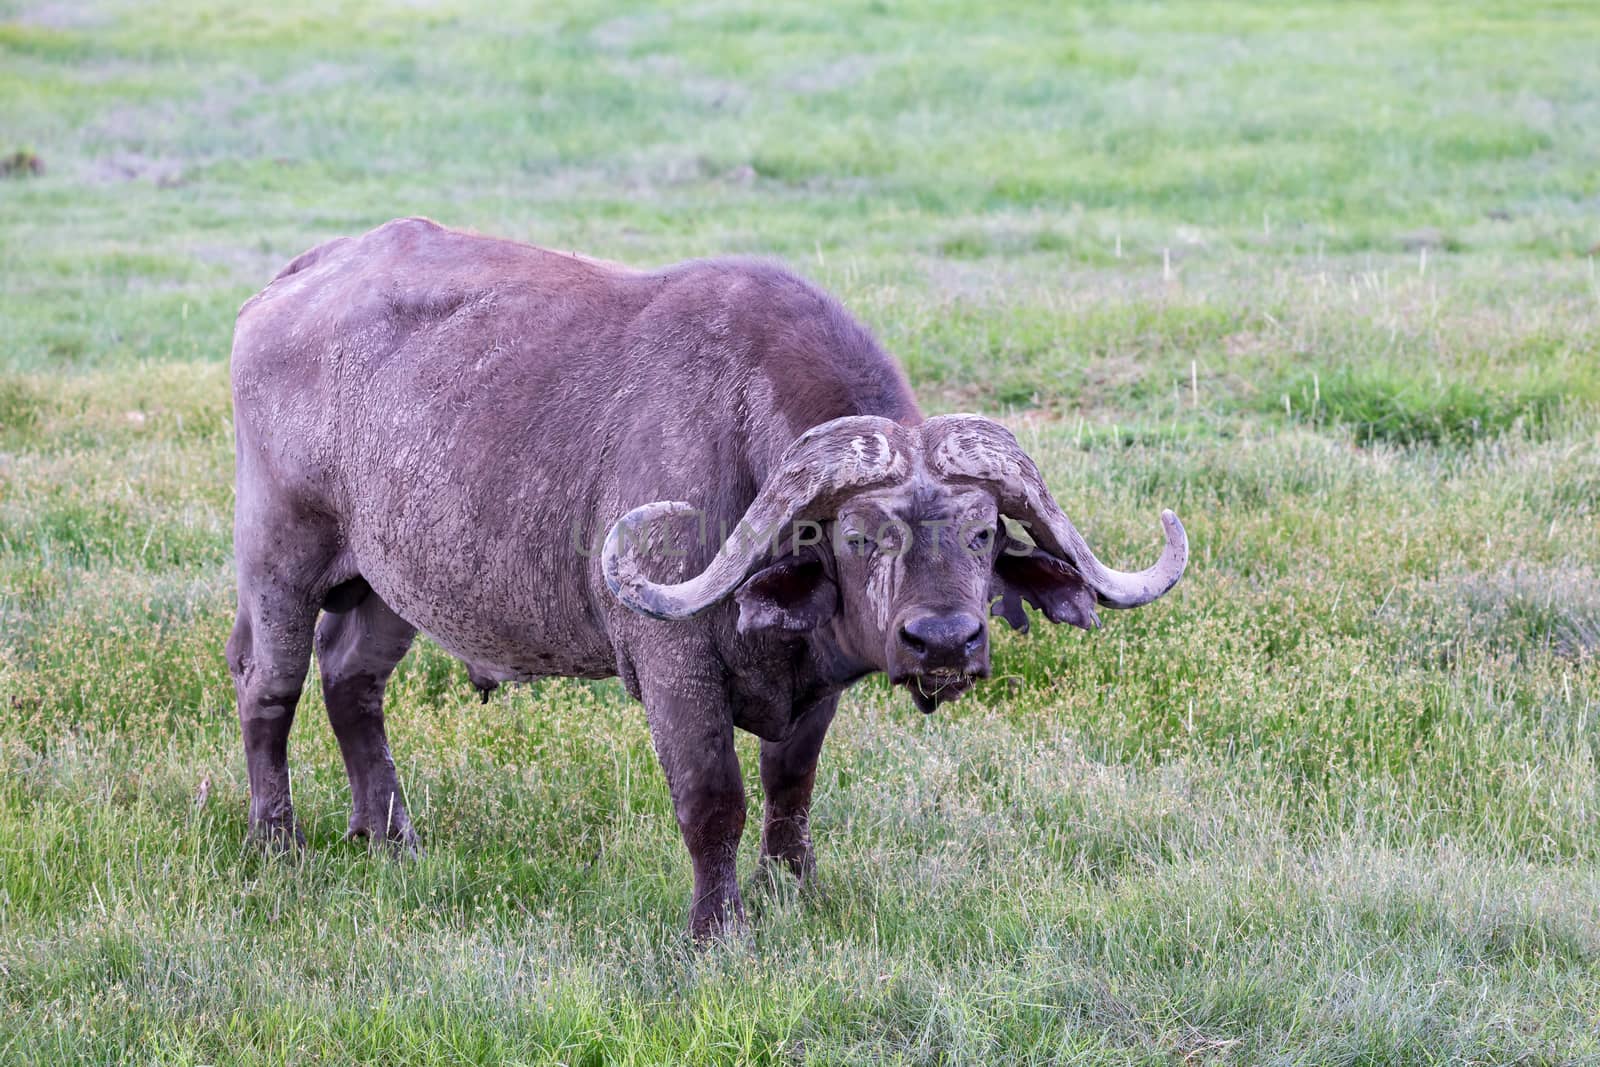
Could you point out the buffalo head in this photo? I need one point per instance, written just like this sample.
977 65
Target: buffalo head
901 540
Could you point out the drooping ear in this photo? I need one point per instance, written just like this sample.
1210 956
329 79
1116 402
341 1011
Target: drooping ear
1024 571
793 595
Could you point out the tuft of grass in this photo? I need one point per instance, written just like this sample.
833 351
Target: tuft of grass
20 408
1405 408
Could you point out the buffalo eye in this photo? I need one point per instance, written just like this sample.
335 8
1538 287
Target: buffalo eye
859 544
980 541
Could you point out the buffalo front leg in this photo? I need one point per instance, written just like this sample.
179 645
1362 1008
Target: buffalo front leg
357 650
268 653
788 774
692 729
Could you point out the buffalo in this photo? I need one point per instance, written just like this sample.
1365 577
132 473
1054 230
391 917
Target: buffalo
439 431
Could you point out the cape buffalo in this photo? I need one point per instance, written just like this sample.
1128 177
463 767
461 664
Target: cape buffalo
434 429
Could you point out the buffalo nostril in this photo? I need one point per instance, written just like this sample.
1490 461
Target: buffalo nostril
975 638
912 641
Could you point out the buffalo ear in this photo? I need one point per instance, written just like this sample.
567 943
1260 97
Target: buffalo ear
792 596
1054 586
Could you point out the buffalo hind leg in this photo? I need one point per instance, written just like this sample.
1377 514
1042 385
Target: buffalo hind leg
268 653
788 774
692 729
357 650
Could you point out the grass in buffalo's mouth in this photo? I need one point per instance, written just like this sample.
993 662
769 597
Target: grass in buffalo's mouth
1320 280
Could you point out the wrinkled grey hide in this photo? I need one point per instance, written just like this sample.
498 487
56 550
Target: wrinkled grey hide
436 431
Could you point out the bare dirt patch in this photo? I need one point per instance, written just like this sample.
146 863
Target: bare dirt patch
842 73
670 72
621 33
59 16
136 166
315 77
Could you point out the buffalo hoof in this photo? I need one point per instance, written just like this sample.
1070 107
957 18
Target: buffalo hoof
776 881
726 934
711 924
401 841
279 838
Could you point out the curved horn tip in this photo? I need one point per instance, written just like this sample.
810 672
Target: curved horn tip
1177 547
1174 527
1142 587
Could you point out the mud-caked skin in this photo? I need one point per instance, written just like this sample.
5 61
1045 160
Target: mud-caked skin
439 431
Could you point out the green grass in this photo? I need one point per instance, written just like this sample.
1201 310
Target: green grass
1321 278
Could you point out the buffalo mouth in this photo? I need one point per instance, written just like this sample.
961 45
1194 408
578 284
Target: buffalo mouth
930 690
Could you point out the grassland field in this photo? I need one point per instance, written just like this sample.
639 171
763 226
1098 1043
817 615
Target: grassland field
1319 276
